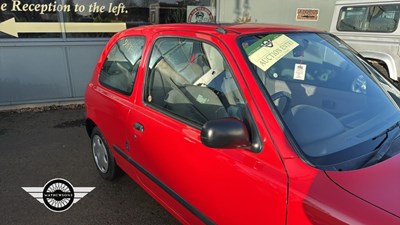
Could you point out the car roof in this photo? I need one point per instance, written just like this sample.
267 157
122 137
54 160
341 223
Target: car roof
218 29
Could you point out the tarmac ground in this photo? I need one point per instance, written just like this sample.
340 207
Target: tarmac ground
38 145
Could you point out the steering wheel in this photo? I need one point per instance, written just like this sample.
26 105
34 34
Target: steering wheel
282 94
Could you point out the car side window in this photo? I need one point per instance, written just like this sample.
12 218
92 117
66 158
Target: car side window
374 18
120 67
191 80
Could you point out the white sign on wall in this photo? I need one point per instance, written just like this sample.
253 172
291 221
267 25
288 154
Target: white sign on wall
306 14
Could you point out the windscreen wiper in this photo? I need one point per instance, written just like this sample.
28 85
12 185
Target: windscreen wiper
384 148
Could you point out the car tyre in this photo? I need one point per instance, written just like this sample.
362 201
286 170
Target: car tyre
104 160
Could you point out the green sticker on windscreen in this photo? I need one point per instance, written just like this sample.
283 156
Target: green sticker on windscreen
270 49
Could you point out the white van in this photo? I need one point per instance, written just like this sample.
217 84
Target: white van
371 27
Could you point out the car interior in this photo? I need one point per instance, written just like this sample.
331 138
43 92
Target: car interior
194 83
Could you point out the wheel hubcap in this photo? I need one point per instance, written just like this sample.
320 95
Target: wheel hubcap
100 154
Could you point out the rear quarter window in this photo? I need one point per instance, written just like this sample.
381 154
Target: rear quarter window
120 67
373 18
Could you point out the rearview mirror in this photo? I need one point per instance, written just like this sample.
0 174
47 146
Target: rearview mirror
225 133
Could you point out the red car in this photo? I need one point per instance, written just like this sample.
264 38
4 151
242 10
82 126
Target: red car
248 124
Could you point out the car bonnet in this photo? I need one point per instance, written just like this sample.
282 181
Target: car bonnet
378 184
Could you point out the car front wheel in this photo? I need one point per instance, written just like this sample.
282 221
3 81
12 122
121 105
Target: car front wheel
102 156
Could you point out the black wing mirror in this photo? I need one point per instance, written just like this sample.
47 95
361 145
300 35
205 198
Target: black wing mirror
225 133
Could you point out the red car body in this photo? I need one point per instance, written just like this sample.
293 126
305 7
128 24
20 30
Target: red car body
199 184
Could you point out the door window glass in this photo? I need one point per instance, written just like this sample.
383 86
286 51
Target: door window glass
191 79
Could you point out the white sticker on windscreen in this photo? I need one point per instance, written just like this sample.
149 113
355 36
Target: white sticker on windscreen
299 71
270 49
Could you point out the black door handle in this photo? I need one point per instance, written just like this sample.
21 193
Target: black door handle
138 126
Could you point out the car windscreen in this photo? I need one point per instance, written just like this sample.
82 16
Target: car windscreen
338 110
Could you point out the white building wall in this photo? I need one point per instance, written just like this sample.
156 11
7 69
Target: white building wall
276 11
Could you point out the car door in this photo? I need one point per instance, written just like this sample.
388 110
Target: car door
189 82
